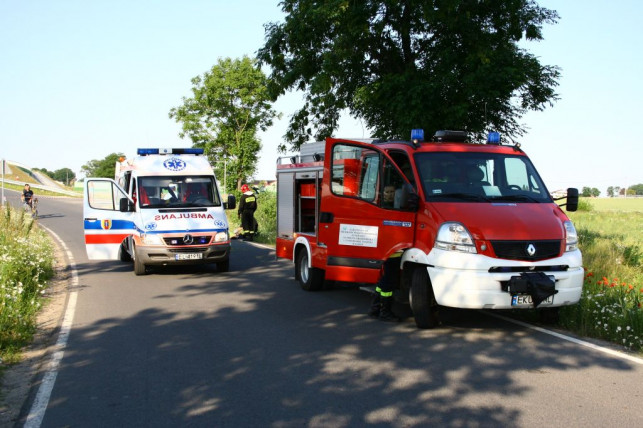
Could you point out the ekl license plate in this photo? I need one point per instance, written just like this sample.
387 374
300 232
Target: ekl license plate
524 301
188 256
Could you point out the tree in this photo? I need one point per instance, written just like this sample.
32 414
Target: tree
102 168
407 64
590 192
636 189
64 175
611 191
230 103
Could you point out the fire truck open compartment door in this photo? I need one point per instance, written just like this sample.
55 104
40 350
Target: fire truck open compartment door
358 225
104 224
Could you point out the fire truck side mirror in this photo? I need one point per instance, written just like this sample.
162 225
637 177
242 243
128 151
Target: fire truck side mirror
409 200
125 205
572 199
231 204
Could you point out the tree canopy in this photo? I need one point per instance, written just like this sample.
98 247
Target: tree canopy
403 64
102 168
229 104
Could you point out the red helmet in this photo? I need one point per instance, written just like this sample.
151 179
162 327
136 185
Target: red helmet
245 188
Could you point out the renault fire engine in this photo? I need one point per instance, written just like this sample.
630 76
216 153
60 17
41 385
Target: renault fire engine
473 223
163 208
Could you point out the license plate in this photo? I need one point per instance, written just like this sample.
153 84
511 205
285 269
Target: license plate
524 301
188 256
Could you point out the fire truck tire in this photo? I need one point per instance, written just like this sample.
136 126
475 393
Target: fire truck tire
123 255
310 279
422 300
139 266
223 266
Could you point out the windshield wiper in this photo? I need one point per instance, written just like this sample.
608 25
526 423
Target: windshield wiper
516 198
463 196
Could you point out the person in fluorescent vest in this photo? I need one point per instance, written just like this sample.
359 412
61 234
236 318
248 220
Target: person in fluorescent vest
247 208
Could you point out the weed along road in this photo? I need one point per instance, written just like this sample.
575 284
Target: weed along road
189 346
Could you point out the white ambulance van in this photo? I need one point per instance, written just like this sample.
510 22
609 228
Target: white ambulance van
163 208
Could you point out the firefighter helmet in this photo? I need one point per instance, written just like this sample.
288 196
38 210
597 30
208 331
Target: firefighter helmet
245 188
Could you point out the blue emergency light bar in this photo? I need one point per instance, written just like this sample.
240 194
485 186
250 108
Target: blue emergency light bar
181 151
417 134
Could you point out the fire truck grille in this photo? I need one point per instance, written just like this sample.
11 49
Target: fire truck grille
180 240
527 250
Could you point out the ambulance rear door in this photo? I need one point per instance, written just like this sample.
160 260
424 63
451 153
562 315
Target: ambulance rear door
359 226
108 218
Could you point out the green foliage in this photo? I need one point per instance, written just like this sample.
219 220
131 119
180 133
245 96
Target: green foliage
230 103
412 64
637 189
266 216
64 175
105 168
590 192
27 263
584 205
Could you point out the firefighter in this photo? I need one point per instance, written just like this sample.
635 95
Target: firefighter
383 299
247 208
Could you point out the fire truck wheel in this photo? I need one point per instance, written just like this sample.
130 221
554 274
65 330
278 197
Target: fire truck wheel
310 279
422 300
123 255
223 266
139 266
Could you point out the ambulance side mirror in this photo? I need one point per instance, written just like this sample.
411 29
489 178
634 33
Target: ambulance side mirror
126 206
231 204
409 199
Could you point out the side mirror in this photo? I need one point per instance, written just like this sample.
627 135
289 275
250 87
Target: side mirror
231 203
409 199
125 205
572 199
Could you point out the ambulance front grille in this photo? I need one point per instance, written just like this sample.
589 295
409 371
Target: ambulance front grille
180 240
527 250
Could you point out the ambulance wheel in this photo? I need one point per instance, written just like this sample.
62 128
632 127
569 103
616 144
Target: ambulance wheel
123 255
422 300
223 266
310 279
139 266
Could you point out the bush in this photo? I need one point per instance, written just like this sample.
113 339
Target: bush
26 264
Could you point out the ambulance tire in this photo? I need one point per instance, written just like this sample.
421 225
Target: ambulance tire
310 279
139 266
123 255
422 300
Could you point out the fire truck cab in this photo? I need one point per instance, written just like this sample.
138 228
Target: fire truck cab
474 224
163 208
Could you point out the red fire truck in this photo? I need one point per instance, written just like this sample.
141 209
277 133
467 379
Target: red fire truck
473 223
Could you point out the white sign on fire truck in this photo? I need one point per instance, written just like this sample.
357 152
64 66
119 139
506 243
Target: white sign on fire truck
358 236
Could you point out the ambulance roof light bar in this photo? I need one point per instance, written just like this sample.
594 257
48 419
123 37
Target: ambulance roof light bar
166 151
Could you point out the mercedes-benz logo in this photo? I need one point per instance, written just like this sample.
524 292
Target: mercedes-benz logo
188 239
531 250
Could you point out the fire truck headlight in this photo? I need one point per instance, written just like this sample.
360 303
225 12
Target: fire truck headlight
221 237
455 237
571 237
151 239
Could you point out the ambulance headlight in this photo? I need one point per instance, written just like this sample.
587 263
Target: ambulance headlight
455 237
571 237
221 237
151 239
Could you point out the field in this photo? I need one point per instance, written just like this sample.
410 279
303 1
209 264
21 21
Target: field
611 239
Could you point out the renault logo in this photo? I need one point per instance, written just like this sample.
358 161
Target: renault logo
531 250
188 239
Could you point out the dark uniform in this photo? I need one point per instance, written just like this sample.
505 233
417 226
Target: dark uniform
383 299
247 208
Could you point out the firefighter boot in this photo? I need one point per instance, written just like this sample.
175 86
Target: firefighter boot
385 312
376 305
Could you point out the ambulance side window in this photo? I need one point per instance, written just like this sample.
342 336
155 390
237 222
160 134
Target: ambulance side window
103 195
355 172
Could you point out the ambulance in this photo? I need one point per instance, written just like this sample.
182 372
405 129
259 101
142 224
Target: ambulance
472 224
162 208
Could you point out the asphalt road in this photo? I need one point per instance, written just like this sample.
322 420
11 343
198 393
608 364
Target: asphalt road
249 348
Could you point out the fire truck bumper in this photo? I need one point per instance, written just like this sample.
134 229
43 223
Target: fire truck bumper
484 284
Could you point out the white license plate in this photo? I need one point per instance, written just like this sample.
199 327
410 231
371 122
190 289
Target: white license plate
188 256
524 301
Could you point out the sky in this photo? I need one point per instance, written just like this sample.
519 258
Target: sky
82 79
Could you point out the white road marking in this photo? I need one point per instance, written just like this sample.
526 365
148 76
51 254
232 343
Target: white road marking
570 339
39 406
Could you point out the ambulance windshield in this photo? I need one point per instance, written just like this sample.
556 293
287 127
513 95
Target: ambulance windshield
177 192
480 177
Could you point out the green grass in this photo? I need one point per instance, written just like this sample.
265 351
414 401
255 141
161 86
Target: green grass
26 264
628 204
